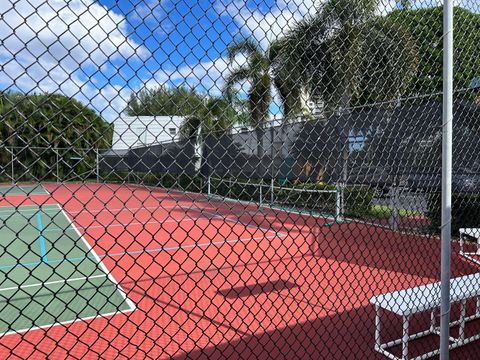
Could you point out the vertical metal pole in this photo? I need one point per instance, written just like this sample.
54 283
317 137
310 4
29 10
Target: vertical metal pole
338 203
378 324
394 218
97 165
405 336
57 165
13 168
261 195
209 189
446 176
272 185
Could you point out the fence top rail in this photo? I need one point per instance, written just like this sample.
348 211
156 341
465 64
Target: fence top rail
72 148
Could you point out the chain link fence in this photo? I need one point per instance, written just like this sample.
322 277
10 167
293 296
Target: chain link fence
237 179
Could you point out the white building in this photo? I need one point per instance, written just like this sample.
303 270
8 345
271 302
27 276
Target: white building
133 131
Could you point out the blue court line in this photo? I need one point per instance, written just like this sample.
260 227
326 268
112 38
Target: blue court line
19 264
43 250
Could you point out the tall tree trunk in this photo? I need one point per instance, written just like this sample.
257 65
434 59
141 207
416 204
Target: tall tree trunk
344 109
259 131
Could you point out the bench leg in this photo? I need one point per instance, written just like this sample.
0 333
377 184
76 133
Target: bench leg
461 327
461 244
406 320
378 339
432 321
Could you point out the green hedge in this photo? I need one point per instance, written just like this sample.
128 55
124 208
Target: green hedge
358 201
465 211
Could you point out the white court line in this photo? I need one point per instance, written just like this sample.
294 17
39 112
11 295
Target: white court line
235 220
107 274
26 193
63 281
288 211
196 208
92 211
130 303
124 225
67 322
188 246
12 209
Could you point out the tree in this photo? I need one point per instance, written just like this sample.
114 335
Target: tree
426 28
214 117
290 79
346 56
174 101
256 72
350 57
36 125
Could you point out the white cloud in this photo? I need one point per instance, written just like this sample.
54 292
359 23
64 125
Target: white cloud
49 46
208 76
263 26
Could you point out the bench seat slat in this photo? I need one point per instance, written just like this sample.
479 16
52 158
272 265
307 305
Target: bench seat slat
426 297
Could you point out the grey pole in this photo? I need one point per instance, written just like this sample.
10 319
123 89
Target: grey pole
97 169
13 167
58 166
446 176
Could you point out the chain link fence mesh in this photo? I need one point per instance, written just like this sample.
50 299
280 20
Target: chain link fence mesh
234 179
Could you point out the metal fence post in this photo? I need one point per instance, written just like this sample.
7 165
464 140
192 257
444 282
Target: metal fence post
13 168
57 165
338 202
261 193
97 168
272 188
447 118
394 217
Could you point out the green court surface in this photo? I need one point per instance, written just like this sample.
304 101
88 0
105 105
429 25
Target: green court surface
49 274
6 190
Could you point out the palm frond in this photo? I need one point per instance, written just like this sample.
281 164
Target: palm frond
244 46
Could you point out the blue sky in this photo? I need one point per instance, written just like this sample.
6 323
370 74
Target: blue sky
101 51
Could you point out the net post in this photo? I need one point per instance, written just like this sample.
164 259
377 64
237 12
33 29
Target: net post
209 189
338 202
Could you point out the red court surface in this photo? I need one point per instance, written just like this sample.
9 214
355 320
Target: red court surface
212 279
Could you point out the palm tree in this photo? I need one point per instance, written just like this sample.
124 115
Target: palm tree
257 73
345 56
214 117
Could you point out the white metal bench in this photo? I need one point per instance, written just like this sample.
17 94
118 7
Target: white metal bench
475 233
408 302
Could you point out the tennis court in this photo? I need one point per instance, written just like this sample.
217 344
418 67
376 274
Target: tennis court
36 270
171 270
22 190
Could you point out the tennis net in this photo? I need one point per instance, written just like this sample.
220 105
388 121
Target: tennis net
325 202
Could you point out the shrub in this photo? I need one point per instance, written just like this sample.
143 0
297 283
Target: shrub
358 200
465 211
